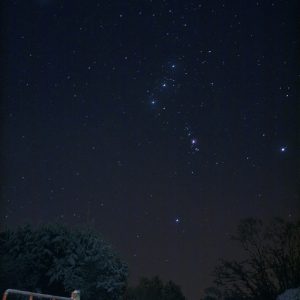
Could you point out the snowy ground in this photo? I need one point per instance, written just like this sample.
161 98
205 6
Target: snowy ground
292 294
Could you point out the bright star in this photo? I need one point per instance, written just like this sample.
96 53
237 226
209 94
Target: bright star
193 142
283 149
173 66
164 84
177 220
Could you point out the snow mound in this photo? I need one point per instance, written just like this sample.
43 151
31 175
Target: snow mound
292 294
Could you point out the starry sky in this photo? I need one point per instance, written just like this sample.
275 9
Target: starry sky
159 123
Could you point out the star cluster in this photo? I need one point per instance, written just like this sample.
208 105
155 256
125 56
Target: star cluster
163 98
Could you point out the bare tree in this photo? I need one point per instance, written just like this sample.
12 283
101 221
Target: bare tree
271 261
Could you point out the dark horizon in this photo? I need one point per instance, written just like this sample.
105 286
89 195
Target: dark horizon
161 124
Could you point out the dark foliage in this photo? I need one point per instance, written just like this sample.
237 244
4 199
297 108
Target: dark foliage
271 264
53 259
154 289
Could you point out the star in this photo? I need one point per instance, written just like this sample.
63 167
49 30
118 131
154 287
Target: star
283 149
164 84
177 220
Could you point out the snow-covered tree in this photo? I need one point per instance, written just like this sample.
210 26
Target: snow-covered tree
57 260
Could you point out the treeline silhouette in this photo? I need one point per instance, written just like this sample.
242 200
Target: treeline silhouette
54 259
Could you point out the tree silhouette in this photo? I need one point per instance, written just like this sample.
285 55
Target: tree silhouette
54 259
154 289
271 262
172 291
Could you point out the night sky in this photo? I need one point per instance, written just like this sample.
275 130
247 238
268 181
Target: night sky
159 123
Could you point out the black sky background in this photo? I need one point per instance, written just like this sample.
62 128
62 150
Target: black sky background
159 123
